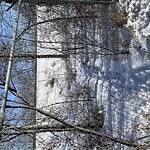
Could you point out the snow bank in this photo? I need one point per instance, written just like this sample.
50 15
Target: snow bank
118 82
139 19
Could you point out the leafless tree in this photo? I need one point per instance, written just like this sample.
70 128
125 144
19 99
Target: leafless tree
83 34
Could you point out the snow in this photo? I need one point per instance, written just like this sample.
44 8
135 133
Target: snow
118 82
139 19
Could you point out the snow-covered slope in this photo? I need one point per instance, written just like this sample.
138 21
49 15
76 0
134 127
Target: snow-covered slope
110 70
139 19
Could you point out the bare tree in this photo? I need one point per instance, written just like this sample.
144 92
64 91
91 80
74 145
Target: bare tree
83 101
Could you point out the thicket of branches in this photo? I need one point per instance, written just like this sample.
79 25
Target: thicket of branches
82 36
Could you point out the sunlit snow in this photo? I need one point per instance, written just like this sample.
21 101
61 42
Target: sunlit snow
121 83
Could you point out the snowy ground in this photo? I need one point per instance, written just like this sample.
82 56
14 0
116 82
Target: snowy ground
118 82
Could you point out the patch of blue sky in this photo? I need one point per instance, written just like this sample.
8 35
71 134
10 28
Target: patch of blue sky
7 19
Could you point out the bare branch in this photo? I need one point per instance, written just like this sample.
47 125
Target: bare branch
69 127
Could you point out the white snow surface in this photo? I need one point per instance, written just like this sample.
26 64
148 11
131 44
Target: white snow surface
139 19
120 83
